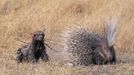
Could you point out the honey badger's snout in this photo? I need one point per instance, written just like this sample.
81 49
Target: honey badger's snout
40 37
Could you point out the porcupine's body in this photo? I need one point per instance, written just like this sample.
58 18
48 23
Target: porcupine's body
85 47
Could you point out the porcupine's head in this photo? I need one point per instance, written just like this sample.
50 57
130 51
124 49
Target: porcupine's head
104 51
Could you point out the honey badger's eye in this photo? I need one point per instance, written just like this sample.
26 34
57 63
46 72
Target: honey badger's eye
34 35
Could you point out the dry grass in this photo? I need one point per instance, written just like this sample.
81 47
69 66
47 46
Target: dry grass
19 18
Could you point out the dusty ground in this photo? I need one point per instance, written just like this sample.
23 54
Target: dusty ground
19 18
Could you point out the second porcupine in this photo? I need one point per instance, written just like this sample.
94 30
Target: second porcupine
86 47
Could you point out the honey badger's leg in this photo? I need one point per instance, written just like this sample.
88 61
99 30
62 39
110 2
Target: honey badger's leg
20 56
44 55
30 56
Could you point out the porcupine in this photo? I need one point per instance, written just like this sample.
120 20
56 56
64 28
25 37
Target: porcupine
87 47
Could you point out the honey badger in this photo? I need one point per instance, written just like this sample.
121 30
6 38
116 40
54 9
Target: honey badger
33 50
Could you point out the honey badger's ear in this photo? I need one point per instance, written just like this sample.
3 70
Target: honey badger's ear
32 34
44 30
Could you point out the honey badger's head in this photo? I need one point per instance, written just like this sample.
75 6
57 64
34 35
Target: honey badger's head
38 36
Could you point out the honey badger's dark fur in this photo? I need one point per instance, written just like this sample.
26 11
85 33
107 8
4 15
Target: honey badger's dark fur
33 50
85 47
